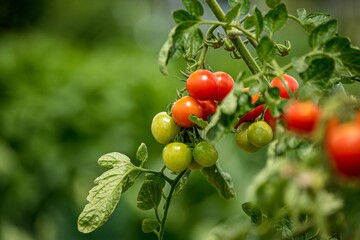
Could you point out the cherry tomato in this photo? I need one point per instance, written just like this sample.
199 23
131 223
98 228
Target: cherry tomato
202 85
270 119
209 107
259 133
205 154
242 140
225 85
301 117
343 147
164 128
290 82
183 108
177 156
251 116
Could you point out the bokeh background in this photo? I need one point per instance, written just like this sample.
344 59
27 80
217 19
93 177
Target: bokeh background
79 78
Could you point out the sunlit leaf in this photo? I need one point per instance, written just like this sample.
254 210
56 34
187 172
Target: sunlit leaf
194 7
276 18
323 33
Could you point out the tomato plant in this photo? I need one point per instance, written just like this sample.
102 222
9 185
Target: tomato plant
295 195
183 108
163 128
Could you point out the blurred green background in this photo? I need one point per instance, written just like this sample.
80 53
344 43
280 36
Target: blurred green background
79 79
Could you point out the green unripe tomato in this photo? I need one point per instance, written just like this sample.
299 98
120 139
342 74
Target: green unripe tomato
205 154
163 128
259 133
242 140
177 156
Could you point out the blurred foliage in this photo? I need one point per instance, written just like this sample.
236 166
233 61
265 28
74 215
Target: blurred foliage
77 80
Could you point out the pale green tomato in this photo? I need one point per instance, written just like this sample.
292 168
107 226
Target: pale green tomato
259 133
205 154
163 128
242 140
177 156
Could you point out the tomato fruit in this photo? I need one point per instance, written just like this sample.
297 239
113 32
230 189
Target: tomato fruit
183 108
202 85
270 119
254 97
242 140
209 107
205 154
301 117
251 116
342 144
177 156
164 128
259 133
225 84
290 82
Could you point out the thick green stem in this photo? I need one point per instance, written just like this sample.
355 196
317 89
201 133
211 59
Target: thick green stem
236 40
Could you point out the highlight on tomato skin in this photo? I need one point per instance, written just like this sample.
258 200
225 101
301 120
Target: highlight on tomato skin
342 145
290 82
202 85
302 117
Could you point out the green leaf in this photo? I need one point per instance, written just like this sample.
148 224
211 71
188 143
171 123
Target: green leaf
182 16
174 45
149 225
351 59
105 195
319 70
249 22
272 3
150 192
323 33
180 186
245 5
253 212
274 102
198 121
193 41
266 49
109 160
258 22
194 7
337 45
142 153
233 13
310 21
276 18
220 180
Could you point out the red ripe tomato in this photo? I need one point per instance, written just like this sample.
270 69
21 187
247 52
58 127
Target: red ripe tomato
301 117
290 82
343 147
250 116
202 85
183 108
270 119
209 107
225 84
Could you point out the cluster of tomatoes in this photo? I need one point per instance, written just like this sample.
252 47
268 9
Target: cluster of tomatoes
205 90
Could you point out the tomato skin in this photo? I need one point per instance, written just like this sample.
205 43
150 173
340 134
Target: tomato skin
291 83
209 107
270 119
242 140
250 116
225 85
302 117
202 85
164 128
259 134
183 108
205 154
177 156
342 144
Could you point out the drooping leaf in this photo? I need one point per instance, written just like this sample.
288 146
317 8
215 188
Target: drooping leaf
337 45
198 121
105 195
110 159
272 3
149 225
276 18
220 180
319 69
253 212
351 59
142 153
194 7
193 41
233 13
310 21
266 49
258 22
323 33
150 192
182 15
